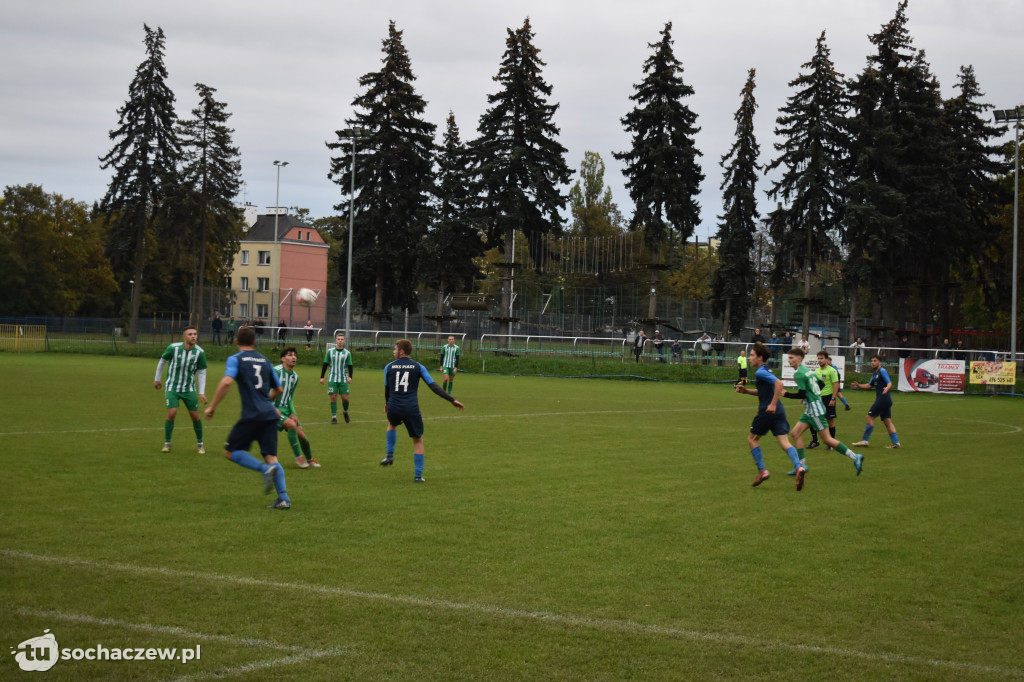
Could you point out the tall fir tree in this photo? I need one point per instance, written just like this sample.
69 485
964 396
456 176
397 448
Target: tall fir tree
394 180
518 159
662 171
812 155
446 261
144 159
733 280
204 214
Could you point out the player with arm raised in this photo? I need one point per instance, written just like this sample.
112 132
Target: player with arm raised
186 366
258 386
771 415
338 369
289 421
401 404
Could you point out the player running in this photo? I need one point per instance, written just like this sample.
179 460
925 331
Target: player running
771 415
258 386
882 407
401 379
338 368
289 421
450 355
186 366
814 415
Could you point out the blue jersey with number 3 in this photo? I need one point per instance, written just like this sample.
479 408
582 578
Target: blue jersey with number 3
401 379
255 377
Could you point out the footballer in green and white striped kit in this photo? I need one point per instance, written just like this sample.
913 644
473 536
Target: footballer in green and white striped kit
814 411
186 366
285 403
338 370
450 355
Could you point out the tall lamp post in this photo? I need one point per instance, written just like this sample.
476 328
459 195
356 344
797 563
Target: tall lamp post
273 258
1015 116
351 133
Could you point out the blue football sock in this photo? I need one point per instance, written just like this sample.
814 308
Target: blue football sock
868 428
243 458
392 438
417 461
758 458
894 438
794 457
279 482
844 400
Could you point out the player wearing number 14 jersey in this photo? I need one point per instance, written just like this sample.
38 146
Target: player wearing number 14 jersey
401 379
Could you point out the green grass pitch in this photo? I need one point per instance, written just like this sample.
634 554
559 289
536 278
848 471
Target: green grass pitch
568 530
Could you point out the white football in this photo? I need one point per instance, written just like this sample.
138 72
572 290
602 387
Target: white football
306 297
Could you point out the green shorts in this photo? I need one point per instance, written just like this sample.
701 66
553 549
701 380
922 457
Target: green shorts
337 387
450 371
190 398
816 423
285 413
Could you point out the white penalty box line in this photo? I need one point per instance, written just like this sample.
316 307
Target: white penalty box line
600 624
296 654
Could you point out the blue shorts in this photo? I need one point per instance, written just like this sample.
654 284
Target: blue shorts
244 433
767 421
881 409
413 421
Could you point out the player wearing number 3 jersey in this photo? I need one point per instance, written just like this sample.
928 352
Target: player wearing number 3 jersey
401 379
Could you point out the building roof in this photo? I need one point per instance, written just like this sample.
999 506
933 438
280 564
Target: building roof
263 229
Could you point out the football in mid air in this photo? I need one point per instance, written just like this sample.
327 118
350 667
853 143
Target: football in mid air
306 297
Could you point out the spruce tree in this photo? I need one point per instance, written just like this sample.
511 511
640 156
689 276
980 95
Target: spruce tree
662 172
733 280
394 180
205 215
812 156
143 159
447 254
518 159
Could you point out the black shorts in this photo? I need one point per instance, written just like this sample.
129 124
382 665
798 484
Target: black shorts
830 410
244 433
881 408
768 421
413 421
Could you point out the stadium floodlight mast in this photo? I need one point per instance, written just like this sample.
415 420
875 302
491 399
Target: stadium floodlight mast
273 257
1007 116
351 133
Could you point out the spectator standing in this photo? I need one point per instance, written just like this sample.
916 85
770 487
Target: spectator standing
659 344
858 347
638 344
677 352
217 326
720 347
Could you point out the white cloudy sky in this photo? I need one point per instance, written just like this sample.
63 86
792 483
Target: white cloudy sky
288 71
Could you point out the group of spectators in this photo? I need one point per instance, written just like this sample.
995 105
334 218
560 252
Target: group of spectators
706 345
219 326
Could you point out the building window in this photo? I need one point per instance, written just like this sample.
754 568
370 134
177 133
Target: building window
264 257
307 235
262 284
243 310
262 310
243 283
245 258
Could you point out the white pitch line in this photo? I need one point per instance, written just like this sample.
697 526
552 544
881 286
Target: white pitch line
257 665
601 624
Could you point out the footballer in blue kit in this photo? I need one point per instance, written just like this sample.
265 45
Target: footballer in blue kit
771 415
401 403
882 407
258 386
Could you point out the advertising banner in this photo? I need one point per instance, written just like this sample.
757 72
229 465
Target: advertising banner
998 373
811 362
931 376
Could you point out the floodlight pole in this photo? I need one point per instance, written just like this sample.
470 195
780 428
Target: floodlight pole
1006 116
274 255
352 133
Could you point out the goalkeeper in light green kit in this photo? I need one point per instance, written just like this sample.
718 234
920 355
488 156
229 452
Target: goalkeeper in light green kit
289 422
338 369
814 411
186 365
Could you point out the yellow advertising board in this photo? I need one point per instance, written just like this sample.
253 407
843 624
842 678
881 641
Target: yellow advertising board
998 373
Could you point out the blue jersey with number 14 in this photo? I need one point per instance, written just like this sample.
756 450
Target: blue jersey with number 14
401 379
255 377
